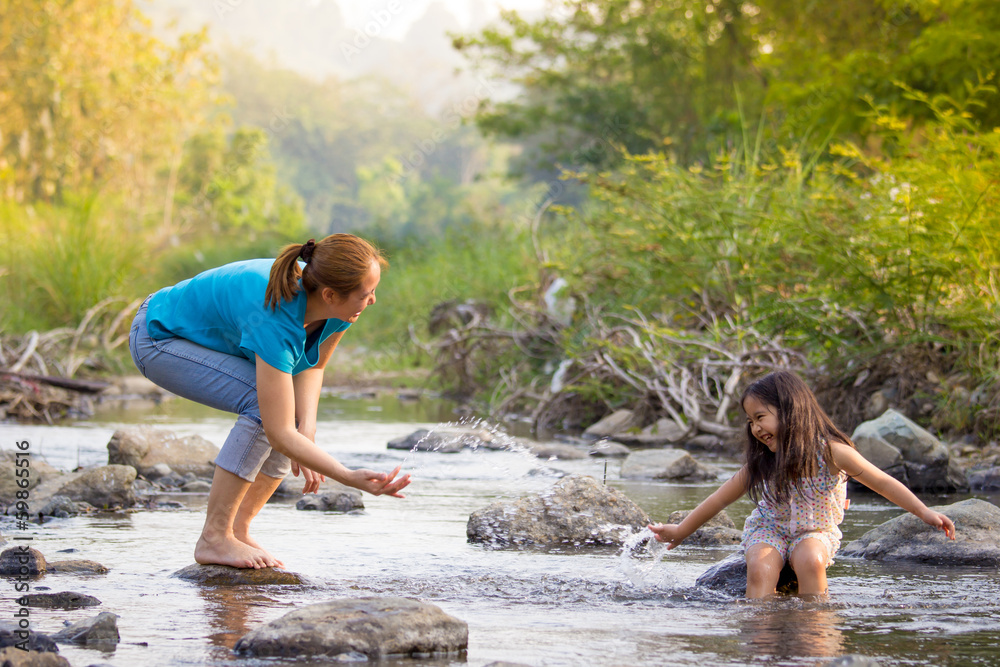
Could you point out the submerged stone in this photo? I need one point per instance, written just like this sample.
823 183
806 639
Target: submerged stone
729 576
100 629
61 600
371 628
80 566
225 575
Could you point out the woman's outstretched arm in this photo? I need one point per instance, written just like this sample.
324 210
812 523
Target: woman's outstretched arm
675 533
851 462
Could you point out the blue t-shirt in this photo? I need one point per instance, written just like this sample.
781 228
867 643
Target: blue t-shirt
223 309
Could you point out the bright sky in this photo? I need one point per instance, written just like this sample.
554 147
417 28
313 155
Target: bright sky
359 12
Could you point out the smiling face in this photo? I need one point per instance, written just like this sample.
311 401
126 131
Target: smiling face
763 421
350 309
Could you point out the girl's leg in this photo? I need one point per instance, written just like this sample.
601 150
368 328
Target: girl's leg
764 564
218 543
257 495
809 559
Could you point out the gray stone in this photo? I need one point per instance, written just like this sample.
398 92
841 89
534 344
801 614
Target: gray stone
10 483
60 600
609 449
556 450
224 575
611 425
729 576
346 500
157 471
444 440
79 566
100 630
105 487
197 486
21 560
985 480
907 538
372 627
717 531
15 657
143 447
663 432
669 463
10 636
577 510
909 453
58 506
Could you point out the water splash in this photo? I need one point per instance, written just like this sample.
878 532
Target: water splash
640 561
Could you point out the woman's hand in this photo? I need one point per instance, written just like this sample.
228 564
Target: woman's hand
313 479
938 520
666 532
380 483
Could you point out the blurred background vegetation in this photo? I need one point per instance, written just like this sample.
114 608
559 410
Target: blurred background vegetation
824 175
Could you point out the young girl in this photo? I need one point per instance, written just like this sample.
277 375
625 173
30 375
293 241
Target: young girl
796 469
253 338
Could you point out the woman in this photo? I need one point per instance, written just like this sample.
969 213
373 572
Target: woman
253 338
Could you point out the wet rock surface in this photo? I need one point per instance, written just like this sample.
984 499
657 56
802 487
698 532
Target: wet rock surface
61 600
445 440
909 453
344 500
717 531
362 628
22 560
577 510
729 576
97 630
78 566
144 448
664 464
224 575
15 657
907 538
10 483
36 640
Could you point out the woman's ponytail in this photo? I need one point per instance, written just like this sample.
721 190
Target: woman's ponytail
285 274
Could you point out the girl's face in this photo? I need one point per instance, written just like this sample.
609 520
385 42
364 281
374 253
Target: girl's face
763 421
350 309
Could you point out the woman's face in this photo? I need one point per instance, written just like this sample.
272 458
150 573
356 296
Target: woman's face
350 309
763 420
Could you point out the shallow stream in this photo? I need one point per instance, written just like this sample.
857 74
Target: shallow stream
551 608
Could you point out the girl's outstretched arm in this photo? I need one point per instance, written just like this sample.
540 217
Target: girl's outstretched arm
675 533
854 464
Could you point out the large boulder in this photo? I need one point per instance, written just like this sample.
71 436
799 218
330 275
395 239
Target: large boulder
907 538
353 629
729 576
664 464
225 575
577 510
909 453
106 487
143 447
37 472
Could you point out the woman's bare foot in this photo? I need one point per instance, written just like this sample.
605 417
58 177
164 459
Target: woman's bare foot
246 539
231 551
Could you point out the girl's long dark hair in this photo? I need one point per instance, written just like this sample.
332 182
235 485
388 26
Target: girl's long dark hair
805 432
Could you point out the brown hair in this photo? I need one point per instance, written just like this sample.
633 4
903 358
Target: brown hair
805 432
340 262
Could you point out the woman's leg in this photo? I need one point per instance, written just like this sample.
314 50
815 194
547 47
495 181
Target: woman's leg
809 559
224 382
764 564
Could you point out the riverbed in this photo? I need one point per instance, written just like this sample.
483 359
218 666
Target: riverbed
553 608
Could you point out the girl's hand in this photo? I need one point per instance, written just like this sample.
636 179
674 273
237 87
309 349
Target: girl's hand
380 483
938 520
313 479
666 532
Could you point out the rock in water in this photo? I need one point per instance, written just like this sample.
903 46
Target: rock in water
61 600
668 463
729 576
907 538
224 575
100 629
346 500
144 448
12 656
105 487
577 510
22 560
371 627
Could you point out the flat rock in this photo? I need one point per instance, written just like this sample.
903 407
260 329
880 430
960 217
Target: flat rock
224 575
907 538
664 464
60 600
105 487
22 560
96 630
15 657
372 627
78 566
729 576
143 447
346 500
577 510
